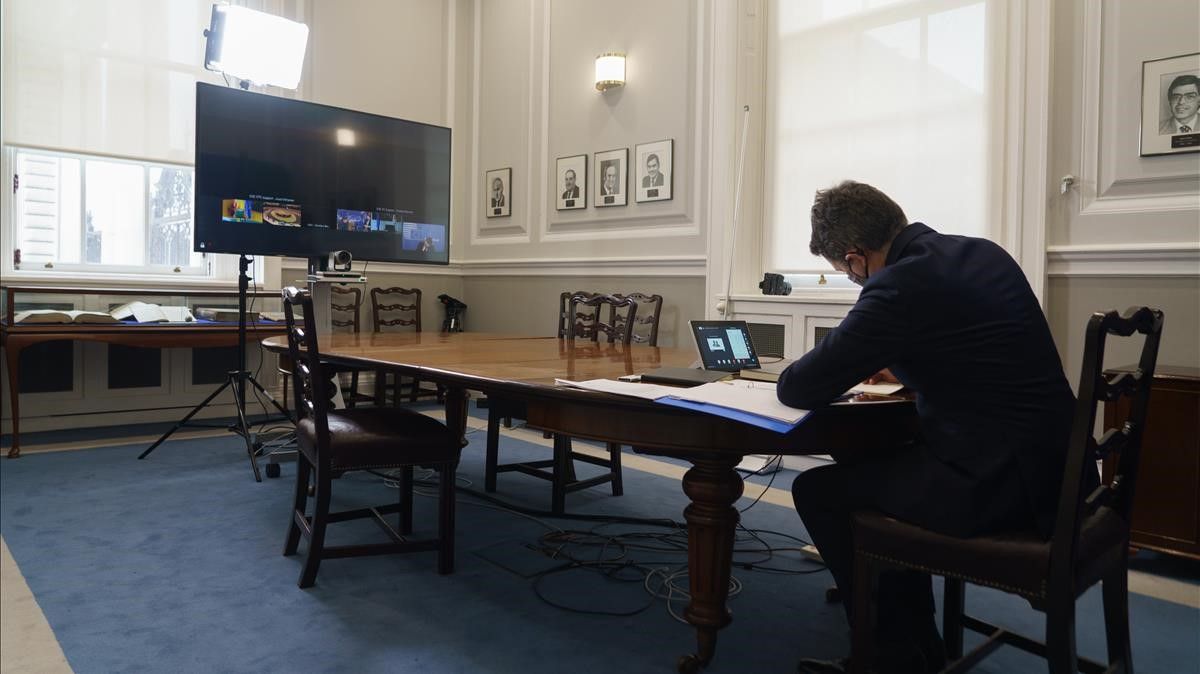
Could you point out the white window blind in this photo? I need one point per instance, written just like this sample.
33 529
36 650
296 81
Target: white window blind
110 77
901 94
99 113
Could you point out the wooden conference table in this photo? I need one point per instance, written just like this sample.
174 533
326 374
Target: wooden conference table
525 368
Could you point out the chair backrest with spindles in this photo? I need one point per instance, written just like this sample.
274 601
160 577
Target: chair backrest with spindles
396 307
649 308
310 386
344 310
584 308
1095 387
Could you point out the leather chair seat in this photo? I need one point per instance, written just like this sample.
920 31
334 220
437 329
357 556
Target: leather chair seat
380 438
1013 562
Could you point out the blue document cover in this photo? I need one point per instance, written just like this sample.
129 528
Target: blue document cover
729 413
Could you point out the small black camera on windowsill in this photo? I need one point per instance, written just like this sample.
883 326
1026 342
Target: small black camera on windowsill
773 284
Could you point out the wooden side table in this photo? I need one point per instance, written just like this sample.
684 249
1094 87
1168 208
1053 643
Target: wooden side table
1166 507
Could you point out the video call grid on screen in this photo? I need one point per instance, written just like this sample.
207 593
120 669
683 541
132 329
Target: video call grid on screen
724 345
285 177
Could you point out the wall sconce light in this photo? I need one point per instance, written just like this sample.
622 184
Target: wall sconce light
610 70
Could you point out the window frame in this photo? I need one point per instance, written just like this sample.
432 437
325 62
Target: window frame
1023 181
205 270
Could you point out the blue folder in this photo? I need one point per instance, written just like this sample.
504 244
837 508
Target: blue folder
730 413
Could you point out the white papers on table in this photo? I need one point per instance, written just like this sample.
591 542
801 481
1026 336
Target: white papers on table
876 389
624 388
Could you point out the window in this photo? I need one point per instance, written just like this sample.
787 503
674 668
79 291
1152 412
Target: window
99 131
902 95
88 213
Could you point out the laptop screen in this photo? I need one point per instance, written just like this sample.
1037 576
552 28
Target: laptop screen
724 345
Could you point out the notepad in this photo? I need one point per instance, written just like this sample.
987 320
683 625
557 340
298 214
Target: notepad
144 312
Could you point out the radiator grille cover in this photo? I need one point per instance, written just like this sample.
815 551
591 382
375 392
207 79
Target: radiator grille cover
768 338
819 335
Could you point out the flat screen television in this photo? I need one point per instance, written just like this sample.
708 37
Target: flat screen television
276 176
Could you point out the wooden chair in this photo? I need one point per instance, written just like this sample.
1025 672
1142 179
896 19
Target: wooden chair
1090 542
370 438
645 329
584 310
397 308
587 318
343 317
566 321
645 322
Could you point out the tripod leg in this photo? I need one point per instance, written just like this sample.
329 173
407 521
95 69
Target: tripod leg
183 422
243 429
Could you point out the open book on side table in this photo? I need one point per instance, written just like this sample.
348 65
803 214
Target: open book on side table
40 316
144 312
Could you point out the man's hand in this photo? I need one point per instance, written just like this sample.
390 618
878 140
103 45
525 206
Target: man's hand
884 376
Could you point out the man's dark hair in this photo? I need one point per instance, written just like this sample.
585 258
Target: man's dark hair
654 157
853 215
1183 80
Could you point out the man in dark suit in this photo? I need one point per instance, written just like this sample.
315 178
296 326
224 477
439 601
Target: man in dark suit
572 190
610 186
1183 98
953 319
497 193
653 177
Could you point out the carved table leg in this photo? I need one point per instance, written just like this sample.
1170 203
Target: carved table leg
13 354
713 486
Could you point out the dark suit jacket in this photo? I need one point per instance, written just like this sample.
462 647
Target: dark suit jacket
656 182
572 193
956 321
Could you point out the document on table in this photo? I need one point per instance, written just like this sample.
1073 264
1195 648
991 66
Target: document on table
624 388
754 397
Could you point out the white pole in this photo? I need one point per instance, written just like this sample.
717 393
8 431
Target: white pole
737 203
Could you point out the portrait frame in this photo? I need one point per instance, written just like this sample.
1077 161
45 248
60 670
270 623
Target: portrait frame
1160 134
579 165
659 187
618 159
490 209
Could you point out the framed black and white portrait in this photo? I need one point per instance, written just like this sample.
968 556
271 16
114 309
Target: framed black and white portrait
571 182
497 198
654 162
611 177
1170 105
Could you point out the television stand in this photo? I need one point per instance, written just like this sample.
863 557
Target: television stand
236 380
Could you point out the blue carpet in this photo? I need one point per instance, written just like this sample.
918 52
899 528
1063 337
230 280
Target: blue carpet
173 564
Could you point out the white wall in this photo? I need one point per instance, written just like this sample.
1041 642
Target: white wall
535 101
389 58
1128 232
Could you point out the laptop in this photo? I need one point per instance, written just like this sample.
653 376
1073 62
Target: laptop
725 348
728 346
